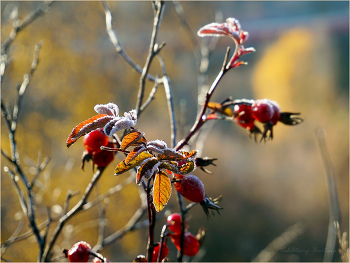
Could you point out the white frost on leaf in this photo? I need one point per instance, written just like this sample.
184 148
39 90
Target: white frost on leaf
117 123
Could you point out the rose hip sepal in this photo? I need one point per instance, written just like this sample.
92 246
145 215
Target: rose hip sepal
192 188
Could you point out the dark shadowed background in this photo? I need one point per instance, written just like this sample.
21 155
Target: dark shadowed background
301 61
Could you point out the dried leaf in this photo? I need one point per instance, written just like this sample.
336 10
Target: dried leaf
98 121
146 169
133 138
122 167
161 190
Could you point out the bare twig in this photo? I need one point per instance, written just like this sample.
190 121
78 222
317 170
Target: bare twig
334 210
71 213
169 97
153 51
110 192
24 235
13 237
130 226
114 39
201 118
20 25
150 97
288 236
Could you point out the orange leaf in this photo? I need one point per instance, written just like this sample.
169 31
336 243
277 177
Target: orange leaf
146 169
133 138
132 155
122 167
161 190
98 121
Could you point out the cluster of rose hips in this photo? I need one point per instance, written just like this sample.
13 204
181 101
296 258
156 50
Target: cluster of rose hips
191 242
246 112
81 252
92 143
266 111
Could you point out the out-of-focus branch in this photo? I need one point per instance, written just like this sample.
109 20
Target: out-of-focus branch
78 207
288 236
114 39
19 25
182 17
201 118
169 97
150 97
13 237
110 192
334 210
154 49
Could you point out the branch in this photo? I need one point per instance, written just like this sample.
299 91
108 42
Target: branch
153 51
150 97
334 210
201 118
114 39
71 213
169 97
20 25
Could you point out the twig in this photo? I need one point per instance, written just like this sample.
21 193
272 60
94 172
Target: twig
334 210
22 201
153 51
201 116
23 236
181 15
180 253
20 25
71 213
114 39
130 226
162 239
150 97
13 237
288 236
110 192
169 97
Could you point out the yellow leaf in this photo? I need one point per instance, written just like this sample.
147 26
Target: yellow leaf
122 167
133 154
161 190
133 138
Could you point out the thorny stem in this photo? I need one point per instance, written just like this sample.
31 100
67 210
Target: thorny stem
153 51
151 211
201 116
71 213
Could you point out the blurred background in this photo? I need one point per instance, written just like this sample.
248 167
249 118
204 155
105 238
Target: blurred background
301 61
